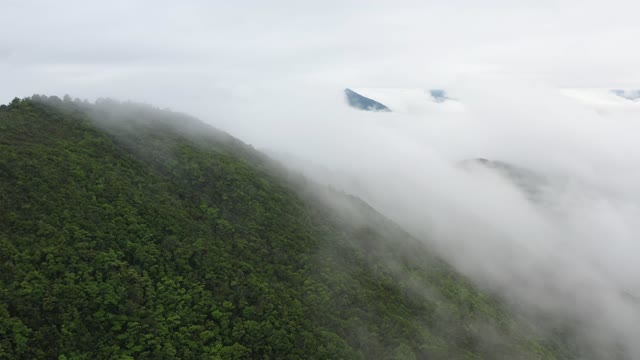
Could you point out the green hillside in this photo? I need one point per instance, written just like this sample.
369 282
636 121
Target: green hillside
128 232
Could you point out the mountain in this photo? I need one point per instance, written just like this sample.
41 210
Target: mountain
413 101
360 102
438 95
529 182
132 232
605 100
632 95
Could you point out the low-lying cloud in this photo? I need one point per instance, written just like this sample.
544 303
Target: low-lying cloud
570 253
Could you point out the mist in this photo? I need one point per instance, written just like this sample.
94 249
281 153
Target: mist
569 255
522 77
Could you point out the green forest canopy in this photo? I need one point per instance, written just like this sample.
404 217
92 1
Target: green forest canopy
131 232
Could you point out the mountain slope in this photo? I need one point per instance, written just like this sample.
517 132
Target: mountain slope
360 102
130 232
531 183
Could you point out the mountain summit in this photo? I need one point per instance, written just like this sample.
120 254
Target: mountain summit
360 102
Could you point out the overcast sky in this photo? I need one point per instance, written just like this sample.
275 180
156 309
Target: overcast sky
180 54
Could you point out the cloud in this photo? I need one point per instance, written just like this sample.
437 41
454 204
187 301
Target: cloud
572 255
351 43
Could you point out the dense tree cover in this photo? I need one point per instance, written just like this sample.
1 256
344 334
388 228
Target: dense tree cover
131 232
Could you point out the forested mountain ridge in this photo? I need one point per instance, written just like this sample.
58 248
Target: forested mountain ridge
131 232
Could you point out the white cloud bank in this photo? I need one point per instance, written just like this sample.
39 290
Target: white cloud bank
572 255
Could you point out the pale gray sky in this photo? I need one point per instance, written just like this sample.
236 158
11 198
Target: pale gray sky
181 53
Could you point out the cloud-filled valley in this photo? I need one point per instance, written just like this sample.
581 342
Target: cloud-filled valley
569 252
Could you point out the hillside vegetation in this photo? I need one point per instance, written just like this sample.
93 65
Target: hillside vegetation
128 232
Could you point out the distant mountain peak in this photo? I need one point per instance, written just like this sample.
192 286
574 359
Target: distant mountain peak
439 95
633 95
360 102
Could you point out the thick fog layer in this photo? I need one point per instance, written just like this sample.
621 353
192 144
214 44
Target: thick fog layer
570 252
530 85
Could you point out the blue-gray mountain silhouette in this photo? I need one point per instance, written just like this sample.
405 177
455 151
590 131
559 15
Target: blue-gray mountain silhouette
363 103
632 95
438 95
